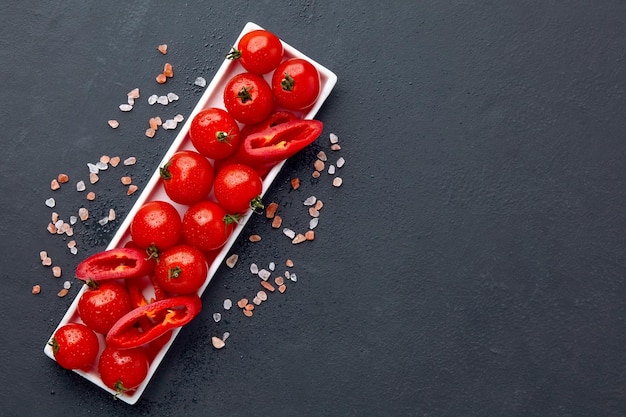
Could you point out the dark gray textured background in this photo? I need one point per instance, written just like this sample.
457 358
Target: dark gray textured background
472 264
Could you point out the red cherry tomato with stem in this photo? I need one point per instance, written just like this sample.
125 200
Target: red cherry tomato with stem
187 177
156 226
207 226
103 304
214 133
238 188
75 346
258 51
123 370
248 98
296 84
181 270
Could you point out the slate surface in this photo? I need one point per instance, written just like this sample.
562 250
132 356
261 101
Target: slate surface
472 264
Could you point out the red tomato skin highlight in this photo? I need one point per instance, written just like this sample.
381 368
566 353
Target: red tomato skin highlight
238 187
248 98
123 370
214 133
206 226
101 307
261 51
156 223
305 87
181 270
75 346
187 177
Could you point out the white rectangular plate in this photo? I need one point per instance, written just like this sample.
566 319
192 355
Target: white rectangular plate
212 97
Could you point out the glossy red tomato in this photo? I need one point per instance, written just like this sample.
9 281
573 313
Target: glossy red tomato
214 133
296 84
238 187
123 370
259 51
207 226
187 177
248 98
181 270
156 224
75 346
103 304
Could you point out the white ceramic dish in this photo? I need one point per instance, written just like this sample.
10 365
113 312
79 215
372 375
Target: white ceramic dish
212 97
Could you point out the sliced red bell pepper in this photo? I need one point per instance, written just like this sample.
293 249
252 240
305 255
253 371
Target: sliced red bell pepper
117 263
172 312
264 149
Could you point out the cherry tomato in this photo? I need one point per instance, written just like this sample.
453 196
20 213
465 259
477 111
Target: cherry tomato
156 224
259 51
123 370
248 98
103 304
187 177
296 84
75 346
214 133
238 188
182 269
207 226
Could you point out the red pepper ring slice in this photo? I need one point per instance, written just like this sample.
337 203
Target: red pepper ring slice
264 149
116 263
176 312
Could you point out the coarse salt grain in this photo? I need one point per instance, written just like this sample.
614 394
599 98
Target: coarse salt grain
63 292
313 223
217 317
310 201
271 209
231 261
83 213
277 221
93 178
341 162
254 268
172 97
153 99
289 263
67 285
163 100
54 185
126 107
337 181
228 304
131 189
321 155
162 48
217 342
114 161
289 233
63 178
200 82
333 138
262 295
254 238
113 123
225 336
126 180
130 160
264 274
299 239
73 219
242 302
56 271
36 289
170 124
50 202
150 132
134 93
268 286
179 118
331 170
271 266
80 186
